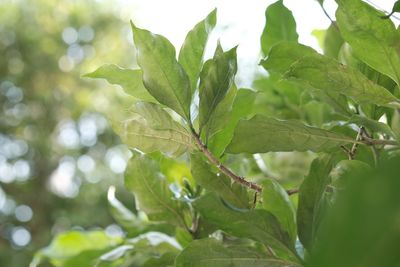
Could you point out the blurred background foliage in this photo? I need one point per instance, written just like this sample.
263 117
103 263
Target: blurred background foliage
58 153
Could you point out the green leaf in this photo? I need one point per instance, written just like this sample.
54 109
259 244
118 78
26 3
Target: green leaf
259 225
242 106
130 80
149 128
216 78
276 201
212 253
333 42
361 228
280 26
163 76
311 194
323 73
151 191
192 50
373 40
261 134
221 184
372 125
70 244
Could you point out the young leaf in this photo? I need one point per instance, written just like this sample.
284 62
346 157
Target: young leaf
373 40
276 201
163 76
333 42
149 128
233 193
151 191
212 253
259 225
280 26
261 134
192 50
130 80
216 78
310 198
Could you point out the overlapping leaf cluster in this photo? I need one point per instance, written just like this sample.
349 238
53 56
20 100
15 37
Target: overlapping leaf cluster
341 106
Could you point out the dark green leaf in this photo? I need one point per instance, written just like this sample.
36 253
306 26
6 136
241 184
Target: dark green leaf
276 201
163 76
280 26
372 125
130 80
216 78
221 184
262 134
259 225
192 50
151 191
310 198
212 253
373 40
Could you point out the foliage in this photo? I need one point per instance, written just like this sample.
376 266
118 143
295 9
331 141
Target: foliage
229 209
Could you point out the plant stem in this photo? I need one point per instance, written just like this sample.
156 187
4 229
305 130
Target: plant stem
221 167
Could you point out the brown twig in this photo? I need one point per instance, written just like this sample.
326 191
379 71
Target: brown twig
225 170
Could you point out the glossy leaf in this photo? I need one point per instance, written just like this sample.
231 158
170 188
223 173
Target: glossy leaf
373 40
212 253
216 77
371 124
151 191
280 26
310 198
259 225
149 128
221 184
192 50
276 201
163 76
129 79
262 134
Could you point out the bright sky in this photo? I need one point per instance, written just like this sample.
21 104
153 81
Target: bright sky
240 21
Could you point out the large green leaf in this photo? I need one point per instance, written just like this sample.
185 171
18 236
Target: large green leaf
216 78
163 76
262 134
149 128
276 201
280 26
326 74
242 106
362 228
192 50
212 253
259 225
374 40
305 66
130 80
310 198
221 184
151 191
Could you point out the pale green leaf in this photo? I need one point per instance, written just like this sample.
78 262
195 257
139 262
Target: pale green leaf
221 184
373 40
212 253
333 42
149 128
129 79
280 26
163 76
276 201
310 198
259 225
216 77
262 134
151 191
192 50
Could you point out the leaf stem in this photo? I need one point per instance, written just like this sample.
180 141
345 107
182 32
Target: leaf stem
225 170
